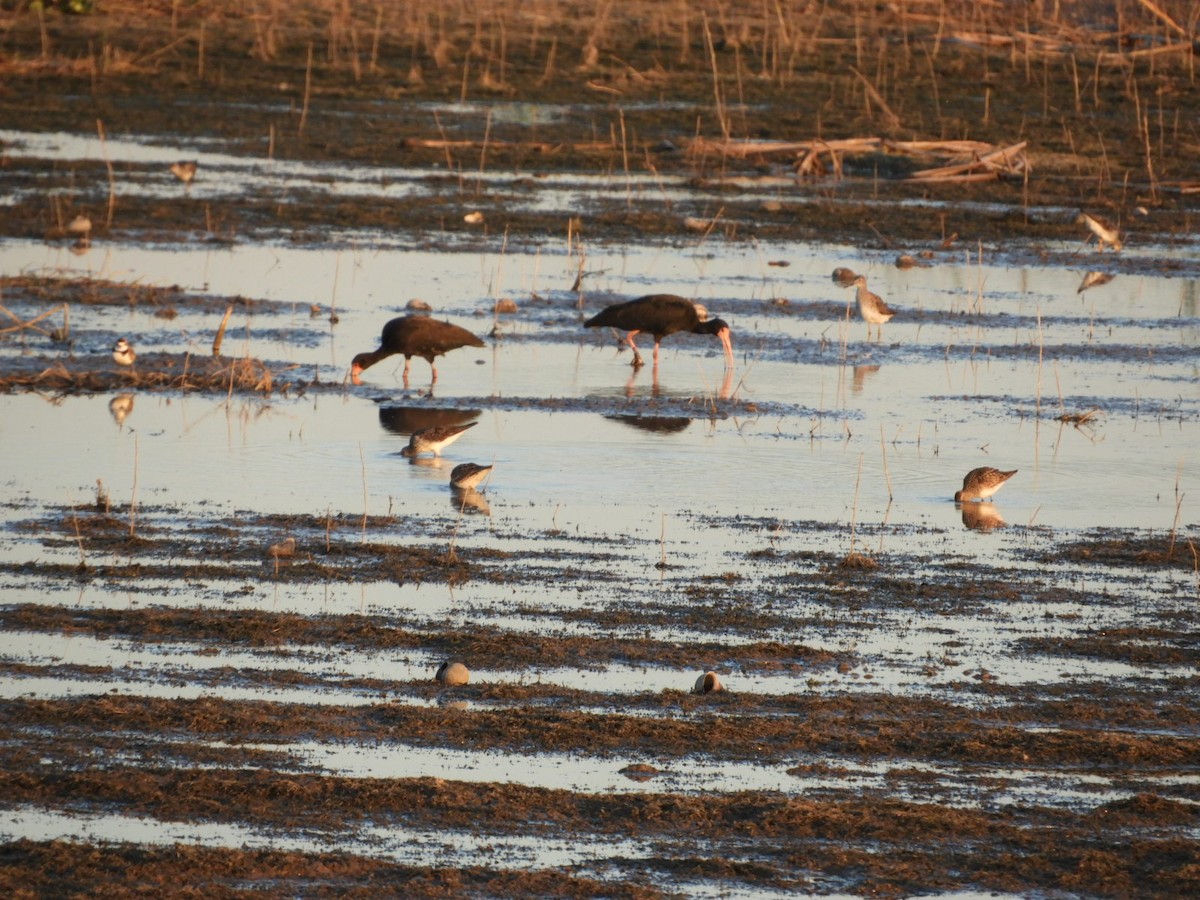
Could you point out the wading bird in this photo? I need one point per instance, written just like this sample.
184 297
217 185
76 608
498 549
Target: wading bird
466 476
661 315
1105 233
981 483
871 306
434 440
123 353
414 336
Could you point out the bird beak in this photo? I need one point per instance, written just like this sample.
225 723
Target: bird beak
723 334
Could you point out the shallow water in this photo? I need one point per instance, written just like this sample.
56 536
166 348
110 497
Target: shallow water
847 444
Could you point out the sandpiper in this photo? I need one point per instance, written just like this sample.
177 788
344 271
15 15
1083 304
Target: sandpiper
123 353
467 475
184 171
452 673
434 439
871 306
981 483
1104 232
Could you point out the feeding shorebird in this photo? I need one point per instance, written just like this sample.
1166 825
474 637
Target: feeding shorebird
981 483
123 353
871 306
414 336
434 439
661 314
466 476
708 683
184 171
1104 232
451 674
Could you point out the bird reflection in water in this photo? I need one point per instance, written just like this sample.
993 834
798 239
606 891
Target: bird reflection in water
861 374
656 390
469 501
408 420
655 424
981 516
120 407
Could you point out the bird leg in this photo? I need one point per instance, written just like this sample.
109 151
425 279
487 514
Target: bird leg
656 342
407 361
637 357
433 369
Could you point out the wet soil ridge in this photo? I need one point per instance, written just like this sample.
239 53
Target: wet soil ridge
789 102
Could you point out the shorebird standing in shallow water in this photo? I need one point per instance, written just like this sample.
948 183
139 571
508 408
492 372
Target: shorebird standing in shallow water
1104 232
434 439
123 353
467 476
871 306
981 483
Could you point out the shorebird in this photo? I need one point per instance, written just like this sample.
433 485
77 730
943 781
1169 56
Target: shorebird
708 683
466 476
1104 232
435 439
871 306
661 314
123 353
981 483
184 171
451 674
414 336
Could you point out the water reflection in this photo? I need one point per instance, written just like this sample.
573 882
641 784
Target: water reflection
981 516
120 407
469 501
654 424
405 420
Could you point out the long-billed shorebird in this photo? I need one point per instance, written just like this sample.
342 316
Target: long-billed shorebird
871 306
981 483
434 439
1105 233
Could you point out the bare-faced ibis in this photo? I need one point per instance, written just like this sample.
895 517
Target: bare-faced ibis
871 306
661 314
981 483
414 336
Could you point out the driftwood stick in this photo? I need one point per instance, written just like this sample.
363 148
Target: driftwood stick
221 331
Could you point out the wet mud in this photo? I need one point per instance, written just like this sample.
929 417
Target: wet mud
254 730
